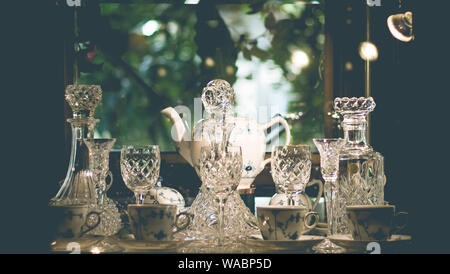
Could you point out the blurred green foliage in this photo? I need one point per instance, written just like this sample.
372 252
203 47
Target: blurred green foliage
140 75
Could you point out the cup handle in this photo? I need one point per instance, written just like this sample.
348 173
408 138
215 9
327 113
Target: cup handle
316 220
108 186
90 228
185 225
319 194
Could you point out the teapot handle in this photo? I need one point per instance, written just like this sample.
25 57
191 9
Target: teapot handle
284 123
273 121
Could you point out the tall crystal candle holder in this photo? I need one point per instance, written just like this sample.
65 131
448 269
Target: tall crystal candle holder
329 166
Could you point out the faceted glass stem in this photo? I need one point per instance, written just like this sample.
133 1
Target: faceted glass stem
140 197
290 198
330 198
331 194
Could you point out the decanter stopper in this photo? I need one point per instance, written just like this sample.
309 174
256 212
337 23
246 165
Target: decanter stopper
83 99
362 105
218 97
355 111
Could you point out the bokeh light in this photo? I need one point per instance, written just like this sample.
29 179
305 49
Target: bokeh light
368 51
150 27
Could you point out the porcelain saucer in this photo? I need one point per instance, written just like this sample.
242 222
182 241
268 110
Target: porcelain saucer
149 246
347 242
305 242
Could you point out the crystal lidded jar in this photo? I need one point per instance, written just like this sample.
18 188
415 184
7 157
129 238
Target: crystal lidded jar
361 178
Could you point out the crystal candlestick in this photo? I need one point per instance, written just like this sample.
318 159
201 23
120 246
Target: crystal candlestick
329 167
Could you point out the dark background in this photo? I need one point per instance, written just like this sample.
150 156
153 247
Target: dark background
409 124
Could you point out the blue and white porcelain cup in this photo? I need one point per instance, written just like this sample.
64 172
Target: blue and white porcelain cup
374 222
156 222
283 223
71 221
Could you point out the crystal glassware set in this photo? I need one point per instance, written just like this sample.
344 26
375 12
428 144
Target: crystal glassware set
353 172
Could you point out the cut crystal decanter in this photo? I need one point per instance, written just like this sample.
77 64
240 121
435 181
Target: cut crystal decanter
81 184
79 187
361 177
222 127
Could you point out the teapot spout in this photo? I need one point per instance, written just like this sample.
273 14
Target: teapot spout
179 133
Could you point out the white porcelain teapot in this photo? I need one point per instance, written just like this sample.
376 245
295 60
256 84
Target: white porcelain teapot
218 97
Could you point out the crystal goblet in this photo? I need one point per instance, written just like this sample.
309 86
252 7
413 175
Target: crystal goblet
329 166
291 169
220 171
140 168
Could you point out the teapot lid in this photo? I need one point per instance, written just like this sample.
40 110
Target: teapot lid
218 96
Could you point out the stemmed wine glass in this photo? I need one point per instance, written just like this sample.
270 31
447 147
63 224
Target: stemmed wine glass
220 171
291 169
329 166
140 168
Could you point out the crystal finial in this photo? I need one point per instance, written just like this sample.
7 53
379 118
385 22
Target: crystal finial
218 96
